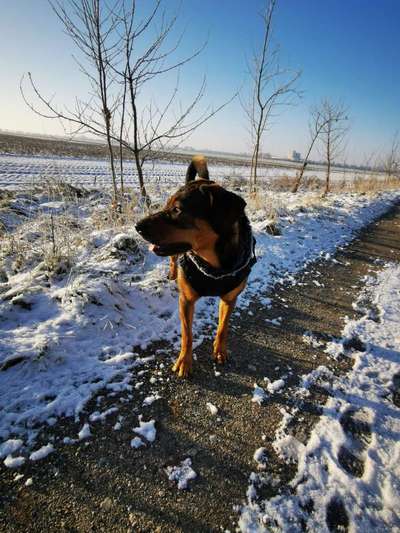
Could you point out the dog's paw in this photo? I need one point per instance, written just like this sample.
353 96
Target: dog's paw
220 357
183 367
220 354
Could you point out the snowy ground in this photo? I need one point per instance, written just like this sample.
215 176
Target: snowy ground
19 172
349 470
73 320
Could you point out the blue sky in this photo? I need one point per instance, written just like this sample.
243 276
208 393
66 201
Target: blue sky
348 50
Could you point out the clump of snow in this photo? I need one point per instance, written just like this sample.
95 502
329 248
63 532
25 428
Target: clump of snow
137 442
212 408
9 447
43 452
68 440
29 482
96 416
150 399
14 462
146 429
259 395
310 339
260 456
85 432
275 386
182 474
334 349
274 321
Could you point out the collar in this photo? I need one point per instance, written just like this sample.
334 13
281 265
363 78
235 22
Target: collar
246 256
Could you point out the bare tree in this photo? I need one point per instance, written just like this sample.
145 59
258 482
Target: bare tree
316 125
273 87
150 127
92 26
123 54
335 119
391 163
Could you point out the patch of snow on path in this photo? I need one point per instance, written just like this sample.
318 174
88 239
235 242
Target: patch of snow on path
349 469
182 474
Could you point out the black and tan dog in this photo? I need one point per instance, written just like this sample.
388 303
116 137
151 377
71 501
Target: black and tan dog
204 229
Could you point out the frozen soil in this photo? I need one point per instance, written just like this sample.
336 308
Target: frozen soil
102 484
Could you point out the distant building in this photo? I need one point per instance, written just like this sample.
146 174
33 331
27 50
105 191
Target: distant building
295 156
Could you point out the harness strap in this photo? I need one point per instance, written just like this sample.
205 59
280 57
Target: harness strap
251 257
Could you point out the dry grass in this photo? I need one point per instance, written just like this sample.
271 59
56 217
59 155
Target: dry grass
268 204
367 185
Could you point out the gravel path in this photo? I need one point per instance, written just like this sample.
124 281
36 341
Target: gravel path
103 484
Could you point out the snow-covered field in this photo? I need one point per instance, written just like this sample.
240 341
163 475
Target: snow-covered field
19 172
350 465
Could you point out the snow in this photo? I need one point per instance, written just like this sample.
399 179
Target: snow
14 462
96 416
9 447
212 408
359 421
136 442
275 386
310 339
43 452
146 429
18 171
85 432
182 474
259 395
150 399
260 455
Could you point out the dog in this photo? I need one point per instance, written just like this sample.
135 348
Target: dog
204 230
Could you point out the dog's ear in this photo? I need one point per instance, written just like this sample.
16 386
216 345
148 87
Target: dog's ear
226 207
198 166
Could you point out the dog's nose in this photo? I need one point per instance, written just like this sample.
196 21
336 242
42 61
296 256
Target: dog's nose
143 227
140 227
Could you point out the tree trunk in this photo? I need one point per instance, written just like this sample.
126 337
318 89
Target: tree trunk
328 160
299 177
136 149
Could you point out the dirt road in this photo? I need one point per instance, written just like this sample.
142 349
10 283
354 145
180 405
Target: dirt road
105 485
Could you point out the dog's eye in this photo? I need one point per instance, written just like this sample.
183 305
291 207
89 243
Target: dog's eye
176 210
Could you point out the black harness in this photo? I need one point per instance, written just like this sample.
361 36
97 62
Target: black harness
207 280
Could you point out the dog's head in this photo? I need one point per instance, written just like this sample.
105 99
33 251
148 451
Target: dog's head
193 218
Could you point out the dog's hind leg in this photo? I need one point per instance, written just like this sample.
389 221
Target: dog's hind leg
226 306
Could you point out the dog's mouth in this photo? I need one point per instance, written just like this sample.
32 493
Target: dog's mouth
170 249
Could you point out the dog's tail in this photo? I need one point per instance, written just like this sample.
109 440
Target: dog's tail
198 166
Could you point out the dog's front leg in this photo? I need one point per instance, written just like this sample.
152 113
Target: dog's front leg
183 365
173 267
226 306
